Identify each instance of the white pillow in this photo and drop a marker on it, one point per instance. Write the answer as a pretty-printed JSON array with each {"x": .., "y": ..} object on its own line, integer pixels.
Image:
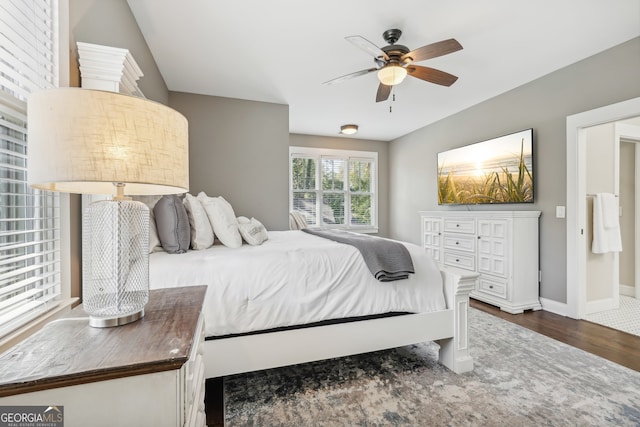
[
  {"x": 201, "y": 232},
  {"x": 154, "y": 240},
  {"x": 252, "y": 230},
  {"x": 222, "y": 219}
]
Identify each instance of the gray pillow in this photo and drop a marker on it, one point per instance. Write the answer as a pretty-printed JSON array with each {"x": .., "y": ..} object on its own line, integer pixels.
[{"x": 172, "y": 223}]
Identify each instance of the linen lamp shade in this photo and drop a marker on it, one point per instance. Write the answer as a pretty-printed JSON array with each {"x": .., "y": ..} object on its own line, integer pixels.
[{"x": 83, "y": 141}]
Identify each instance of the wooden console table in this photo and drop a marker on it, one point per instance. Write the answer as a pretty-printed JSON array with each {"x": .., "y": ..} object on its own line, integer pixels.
[{"x": 147, "y": 373}]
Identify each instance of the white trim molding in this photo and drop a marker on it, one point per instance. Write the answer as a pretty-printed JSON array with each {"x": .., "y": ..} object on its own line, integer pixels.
[
  {"x": 109, "y": 68},
  {"x": 576, "y": 215},
  {"x": 554, "y": 306}
]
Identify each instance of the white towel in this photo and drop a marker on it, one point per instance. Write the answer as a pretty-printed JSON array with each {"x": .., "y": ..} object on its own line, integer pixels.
[
  {"x": 610, "y": 210},
  {"x": 606, "y": 224}
]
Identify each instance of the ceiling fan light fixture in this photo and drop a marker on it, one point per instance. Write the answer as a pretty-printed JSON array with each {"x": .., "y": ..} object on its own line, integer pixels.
[
  {"x": 348, "y": 129},
  {"x": 392, "y": 74}
]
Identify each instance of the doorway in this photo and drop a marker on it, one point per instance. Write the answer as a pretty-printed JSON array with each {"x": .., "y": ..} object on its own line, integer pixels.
[
  {"x": 577, "y": 126},
  {"x": 630, "y": 209}
]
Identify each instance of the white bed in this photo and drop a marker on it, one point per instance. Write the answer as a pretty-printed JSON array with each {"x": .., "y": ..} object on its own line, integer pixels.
[{"x": 296, "y": 279}]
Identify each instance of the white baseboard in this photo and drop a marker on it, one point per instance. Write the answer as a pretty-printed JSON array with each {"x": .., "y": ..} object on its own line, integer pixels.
[
  {"x": 602, "y": 305},
  {"x": 554, "y": 306},
  {"x": 594, "y": 306},
  {"x": 628, "y": 290}
]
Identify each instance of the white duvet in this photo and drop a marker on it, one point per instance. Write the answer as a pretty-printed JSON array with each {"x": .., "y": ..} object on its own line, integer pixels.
[{"x": 293, "y": 278}]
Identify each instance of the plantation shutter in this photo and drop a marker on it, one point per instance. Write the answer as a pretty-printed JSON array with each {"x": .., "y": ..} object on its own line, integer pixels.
[
  {"x": 29, "y": 219},
  {"x": 303, "y": 186},
  {"x": 361, "y": 191},
  {"x": 334, "y": 188}
]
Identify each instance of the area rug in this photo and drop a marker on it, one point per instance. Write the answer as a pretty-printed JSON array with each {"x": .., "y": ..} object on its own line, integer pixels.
[{"x": 520, "y": 378}]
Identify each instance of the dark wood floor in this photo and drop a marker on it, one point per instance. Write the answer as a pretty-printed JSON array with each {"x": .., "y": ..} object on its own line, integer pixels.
[{"x": 619, "y": 347}]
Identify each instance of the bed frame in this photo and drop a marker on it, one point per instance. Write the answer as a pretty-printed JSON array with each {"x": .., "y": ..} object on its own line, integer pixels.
[{"x": 448, "y": 327}]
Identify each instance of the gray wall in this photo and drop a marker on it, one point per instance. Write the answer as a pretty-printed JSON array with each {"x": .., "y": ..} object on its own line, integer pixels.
[
  {"x": 382, "y": 148},
  {"x": 239, "y": 150},
  {"x": 609, "y": 77},
  {"x": 111, "y": 23}
]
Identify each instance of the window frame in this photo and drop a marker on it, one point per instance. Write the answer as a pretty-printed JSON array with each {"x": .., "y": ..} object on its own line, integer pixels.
[
  {"x": 59, "y": 55},
  {"x": 318, "y": 154}
]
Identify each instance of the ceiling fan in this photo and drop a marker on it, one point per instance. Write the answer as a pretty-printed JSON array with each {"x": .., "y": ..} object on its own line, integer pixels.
[{"x": 395, "y": 61}]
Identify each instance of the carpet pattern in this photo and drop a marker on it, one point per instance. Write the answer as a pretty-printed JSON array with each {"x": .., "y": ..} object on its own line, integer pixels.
[{"x": 520, "y": 378}]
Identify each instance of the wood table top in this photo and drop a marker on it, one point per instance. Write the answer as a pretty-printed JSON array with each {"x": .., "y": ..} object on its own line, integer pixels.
[{"x": 69, "y": 352}]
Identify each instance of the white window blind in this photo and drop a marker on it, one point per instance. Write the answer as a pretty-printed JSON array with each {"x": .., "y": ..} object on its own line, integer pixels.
[
  {"x": 334, "y": 188},
  {"x": 29, "y": 219}
]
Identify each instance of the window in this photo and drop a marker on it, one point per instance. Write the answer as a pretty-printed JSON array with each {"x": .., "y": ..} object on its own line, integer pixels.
[
  {"x": 334, "y": 188},
  {"x": 29, "y": 219}
]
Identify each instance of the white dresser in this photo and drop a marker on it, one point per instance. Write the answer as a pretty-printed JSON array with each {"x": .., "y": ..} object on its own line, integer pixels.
[{"x": 502, "y": 246}]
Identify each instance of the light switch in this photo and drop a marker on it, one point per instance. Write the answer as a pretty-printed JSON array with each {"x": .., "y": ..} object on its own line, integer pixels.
[{"x": 560, "y": 212}]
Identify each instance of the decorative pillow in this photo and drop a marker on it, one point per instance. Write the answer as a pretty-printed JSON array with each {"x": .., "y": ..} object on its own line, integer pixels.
[
  {"x": 172, "y": 223},
  {"x": 252, "y": 230},
  {"x": 201, "y": 232},
  {"x": 154, "y": 241},
  {"x": 222, "y": 219}
]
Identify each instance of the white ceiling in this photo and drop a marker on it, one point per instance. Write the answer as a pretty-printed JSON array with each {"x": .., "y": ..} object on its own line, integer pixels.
[{"x": 281, "y": 51}]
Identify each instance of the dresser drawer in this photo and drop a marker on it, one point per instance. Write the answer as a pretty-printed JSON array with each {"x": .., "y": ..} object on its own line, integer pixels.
[
  {"x": 460, "y": 260},
  {"x": 460, "y": 225},
  {"x": 458, "y": 242},
  {"x": 493, "y": 287}
]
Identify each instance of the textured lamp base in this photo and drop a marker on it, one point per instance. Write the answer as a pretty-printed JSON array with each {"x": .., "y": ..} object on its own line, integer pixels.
[{"x": 115, "y": 252}]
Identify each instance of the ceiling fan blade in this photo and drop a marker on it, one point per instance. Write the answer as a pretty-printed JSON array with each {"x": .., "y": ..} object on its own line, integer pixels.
[
  {"x": 367, "y": 46},
  {"x": 431, "y": 75},
  {"x": 433, "y": 50},
  {"x": 383, "y": 92},
  {"x": 350, "y": 76}
]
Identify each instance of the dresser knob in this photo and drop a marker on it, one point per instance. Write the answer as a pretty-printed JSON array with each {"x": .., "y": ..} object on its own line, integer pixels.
[
  {"x": 457, "y": 243},
  {"x": 490, "y": 286},
  {"x": 457, "y": 260},
  {"x": 457, "y": 225}
]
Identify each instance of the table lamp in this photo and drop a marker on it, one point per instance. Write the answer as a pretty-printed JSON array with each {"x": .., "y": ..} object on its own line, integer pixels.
[{"x": 97, "y": 142}]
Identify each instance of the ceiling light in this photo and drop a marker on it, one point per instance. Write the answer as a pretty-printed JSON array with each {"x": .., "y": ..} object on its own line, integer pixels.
[
  {"x": 348, "y": 129},
  {"x": 392, "y": 74}
]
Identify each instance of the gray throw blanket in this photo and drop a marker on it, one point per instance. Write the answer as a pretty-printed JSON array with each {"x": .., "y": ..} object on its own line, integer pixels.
[{"x": 387, "y": 260}]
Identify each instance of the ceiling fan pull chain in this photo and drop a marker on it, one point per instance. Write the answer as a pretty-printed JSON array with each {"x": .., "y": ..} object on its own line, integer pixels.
[{"x": 393, "y": 99}]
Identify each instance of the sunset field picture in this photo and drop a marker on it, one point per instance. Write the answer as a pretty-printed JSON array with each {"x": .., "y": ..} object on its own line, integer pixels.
[{"x": 499, "y": 170}]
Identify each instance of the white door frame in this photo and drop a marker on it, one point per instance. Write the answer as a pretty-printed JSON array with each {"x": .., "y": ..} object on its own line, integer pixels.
[
  {"x": 576, "y": 194},
  {"x": 637, "y": 222},
  {"x": 631, "y": 134}
]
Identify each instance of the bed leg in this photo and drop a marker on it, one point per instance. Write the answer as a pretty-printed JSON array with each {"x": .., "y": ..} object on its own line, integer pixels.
[{"x": 454, "y": 351}]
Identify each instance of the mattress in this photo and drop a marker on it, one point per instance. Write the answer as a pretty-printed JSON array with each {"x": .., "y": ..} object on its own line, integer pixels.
[{"x": 293, "y": 278}]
